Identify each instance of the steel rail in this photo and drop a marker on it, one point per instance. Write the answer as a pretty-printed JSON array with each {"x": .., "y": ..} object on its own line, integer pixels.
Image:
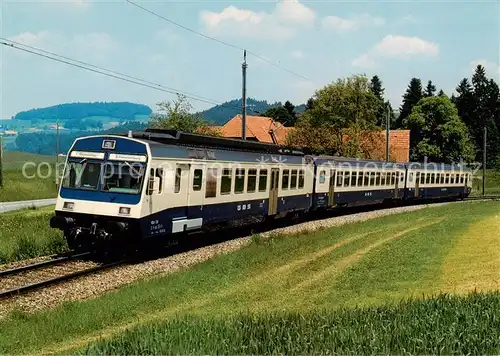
[
  {"x": 56, "y": 280},
  {"x": 39, "y": 265}
]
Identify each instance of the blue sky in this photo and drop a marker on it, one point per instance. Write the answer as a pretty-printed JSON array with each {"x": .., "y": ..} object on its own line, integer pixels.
[{"x": 320, "y": 40}]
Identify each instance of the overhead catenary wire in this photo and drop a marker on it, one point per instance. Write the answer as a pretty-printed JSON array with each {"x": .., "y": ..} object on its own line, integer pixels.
[
  {"x": 107, "y": 72},
  {"x": 233, "y": 46}
]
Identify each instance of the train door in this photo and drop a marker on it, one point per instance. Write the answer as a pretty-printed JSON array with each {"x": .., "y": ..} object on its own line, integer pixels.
[
  {"x": 196, "y": 191},
  {"x": 396, "y": 189},
  {"x": 417, "y": 184},
  {"x": 331, "y": 188},
  {"x": 273, "y": 192}
]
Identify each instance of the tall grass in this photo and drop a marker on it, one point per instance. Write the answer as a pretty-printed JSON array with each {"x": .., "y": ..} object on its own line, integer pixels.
[
  {"x": 25, "y": 234},
  {"x": 442, "y": 325}
]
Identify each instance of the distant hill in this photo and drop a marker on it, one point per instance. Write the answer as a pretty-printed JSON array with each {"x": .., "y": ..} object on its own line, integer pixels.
[{"x": 123, "y": 111}]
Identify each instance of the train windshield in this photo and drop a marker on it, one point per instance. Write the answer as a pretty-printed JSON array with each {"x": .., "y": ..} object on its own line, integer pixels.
[
  {"x": 82, "y": 175},
  {"x": 122, "y": 178}
]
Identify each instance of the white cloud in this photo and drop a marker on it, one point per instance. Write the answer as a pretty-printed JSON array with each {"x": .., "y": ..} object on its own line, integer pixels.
[
  {"x": 31, "y": 39},
  {"x": 298, "y": 54},
  {"x": 277, "y": 25},
  {"x": 492, "y": 68},
  {"x": 294, "y": 11},
  {"x": 397, "y": 47},
  {"x": 355, "y": 22}
]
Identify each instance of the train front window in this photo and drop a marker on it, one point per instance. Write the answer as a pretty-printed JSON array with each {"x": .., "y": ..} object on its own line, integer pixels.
[
  {"x": 123, "y": 178},
  {"x": 82, "y": 175}
]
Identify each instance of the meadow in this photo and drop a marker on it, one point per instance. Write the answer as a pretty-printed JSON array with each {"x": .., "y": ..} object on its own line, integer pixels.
[
  {"x": 36, "y": 182},
  {"x": 287, "y": 293},
  {"x": 26, "y": 233}
]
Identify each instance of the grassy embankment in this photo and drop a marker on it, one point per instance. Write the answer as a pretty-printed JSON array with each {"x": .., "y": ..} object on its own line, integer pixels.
[
  {"x": 26, "y": 233},
  {"x": 492, "y": 185},
  {"x": 278, "y": 282},
  {"x": 37, "y": 182}
]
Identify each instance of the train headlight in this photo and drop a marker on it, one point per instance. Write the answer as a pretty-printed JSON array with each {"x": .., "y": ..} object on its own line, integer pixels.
[
  {"x": 68, "y": 205},
  {"x": 124, "y": 211}
]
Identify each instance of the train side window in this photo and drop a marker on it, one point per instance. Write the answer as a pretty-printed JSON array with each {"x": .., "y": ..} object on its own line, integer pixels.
[
  {"x": 347, "y": 177},
  {"x": 461, "y": 179},
  {"x": 382, "y": 178},
  {"x": 393, "y": 178},
  {"x": 457, "y": 178},
  {"x": 402, "y": 177},
  {"x": 339, "y": 178},
  {"x": 239, "y": 181},
  {"x": 211, "y": 188},
  {"x": 322, "y": 177},
  {"x": 372, "y": 179},
  {"x": 354, "y": 179},
  {"x": 427, "y": 178},
  {"x": 252, "y": 180},
  {"x": 366, "y": 179},
  {"x": 178, "y": 173},
  {"x": 447, "y": 179},
  {"x": 225, "y": 182},
  {"x": 360, "y": 179},
  {"x": 293, "y": 180},
  {"x": 442, "y": 178},
  {"x": 197, "y": 179},
  {"x": 285, "y": 179},
  {"x": 377, "y": 179},
  {"x": 262, "y": 180},
  {"x": 301, "y": 179},
  {"x": 432, "y": 178}
]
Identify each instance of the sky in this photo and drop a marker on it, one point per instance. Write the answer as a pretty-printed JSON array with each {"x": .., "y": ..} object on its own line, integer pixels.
[{"x": 310, "y": 43}]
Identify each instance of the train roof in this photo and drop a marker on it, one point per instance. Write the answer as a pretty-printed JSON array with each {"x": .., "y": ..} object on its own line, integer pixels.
[
  {"x": 348, "y": 161},
  {"x": 436, "y": 166},
  {"x": 177, "y": 144}
]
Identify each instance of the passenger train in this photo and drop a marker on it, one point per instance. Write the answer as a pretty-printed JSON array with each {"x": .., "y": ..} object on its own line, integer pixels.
[{"x": 124, "y": 189}]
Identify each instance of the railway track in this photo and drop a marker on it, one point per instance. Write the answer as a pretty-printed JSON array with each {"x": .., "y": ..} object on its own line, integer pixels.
[{"x": 32, "y": 276}]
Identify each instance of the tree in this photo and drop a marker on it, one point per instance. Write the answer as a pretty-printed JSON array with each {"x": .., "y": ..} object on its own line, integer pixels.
[
  {"x": 430, "y": 89},
  {"x": 282, "y": 114},
  {"x": 342, "y": 114},
  {"x": 177, "y": 115},
  {"x": 444, "y": 136},
  {"x": 465, "y": 103},
  {"x": 1, "y": 156},
  {"x": 479, "y": 105},
  {"x": 378, "y": 91},
  {"x": 441, "y": 93},
  {"x": 309, "y": 104},
  {"x": 411, "y": 97}
]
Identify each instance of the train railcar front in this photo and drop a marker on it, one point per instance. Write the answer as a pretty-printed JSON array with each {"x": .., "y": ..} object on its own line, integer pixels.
[{"x": 99, "y": 199}]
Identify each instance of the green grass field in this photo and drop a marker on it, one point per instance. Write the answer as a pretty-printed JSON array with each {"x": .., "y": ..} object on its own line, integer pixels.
[
  {"x": 452, "y": 248},
  {"x": 26, "y": 233},
  {"x": 36, "y": 182}
]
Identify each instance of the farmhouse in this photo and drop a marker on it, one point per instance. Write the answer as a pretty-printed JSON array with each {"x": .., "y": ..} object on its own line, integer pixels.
[{"x": 265, "y": 129}]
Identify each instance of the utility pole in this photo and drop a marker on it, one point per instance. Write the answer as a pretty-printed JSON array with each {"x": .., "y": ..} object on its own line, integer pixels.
[
  {"x": 484, "y": 158},
  {"x": 1, "y": 157},
  {"x": 244, "y": 97},
  {"x": 57, "y": 153},
  {"x": 387, "y": 132}
]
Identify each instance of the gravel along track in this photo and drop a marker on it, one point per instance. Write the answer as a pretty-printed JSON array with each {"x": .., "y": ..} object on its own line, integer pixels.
[
  {"x": 99, "y": 283},
  {"x": 21, "y": 279}
]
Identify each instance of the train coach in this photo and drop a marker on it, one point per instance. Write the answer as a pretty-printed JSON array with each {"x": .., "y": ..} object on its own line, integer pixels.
[{"x": 123, "y": 189}]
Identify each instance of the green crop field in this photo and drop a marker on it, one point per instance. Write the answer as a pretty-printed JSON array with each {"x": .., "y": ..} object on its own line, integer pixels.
[
  {"x": 293, "y": 293},
  {"x": 35, "y": 181},
  {"x": 26, "y": 233}
]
